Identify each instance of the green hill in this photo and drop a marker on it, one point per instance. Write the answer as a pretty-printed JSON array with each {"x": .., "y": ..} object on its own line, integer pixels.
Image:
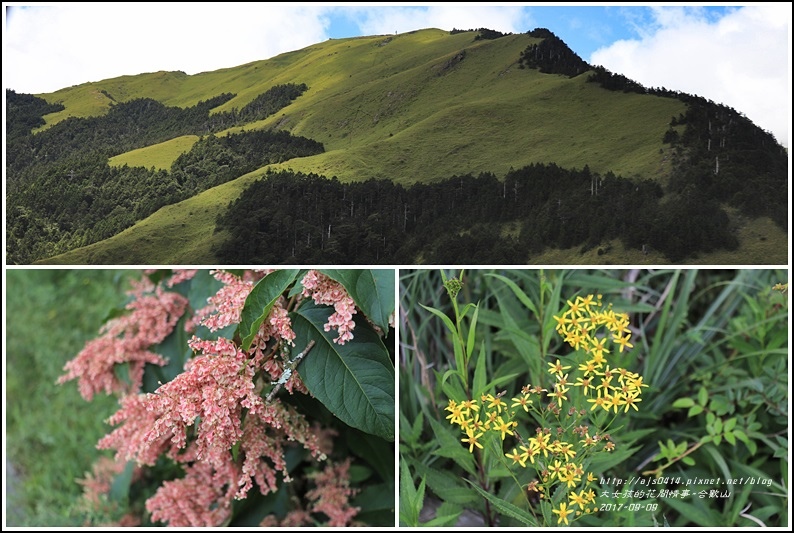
[{"x": 419, "y": 107}]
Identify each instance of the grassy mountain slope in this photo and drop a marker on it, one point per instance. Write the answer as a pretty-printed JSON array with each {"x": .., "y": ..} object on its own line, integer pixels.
[
  {"x": 404, "y": 107},
  {"x": 413, "y": 107}
]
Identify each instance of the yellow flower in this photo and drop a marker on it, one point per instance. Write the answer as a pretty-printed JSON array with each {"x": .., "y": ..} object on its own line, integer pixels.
[
  {"x": 598, "y": 401},
  {"x": 578, "y": 499},
  {"x": 517, "y": 458},
  {"x": 456, "y": 413},
  {"x": 559, "y": 394},
  {"x": 503, "y": 426},
  {"x": 622, "y": 341},
  {"x": 585, "y": 384},
  {"x": 472, "y": 439},
  {"x": 557, "y": 368},
  {"x": 614, "y": 401},
  {"x": 563, "y": 513},
  {"x": 522, "y": 401},
  {"x": 631, "y": 400}
]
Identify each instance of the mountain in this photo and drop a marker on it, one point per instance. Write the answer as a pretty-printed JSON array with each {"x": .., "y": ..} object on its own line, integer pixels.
[{"x": 423, "y": 147}]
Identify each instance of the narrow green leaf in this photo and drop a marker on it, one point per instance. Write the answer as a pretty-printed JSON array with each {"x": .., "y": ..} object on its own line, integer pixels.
[
  {"x": 696, "y": 514},
  {"x": 372, "y": 290},
  {"x": 355, "y": 381},
  {"x": 521, "y": 295},
  {"x": 446, "y": 515},
  {"x": 472, "y": 328},
  {"x": 447, "y": 321},
  {"x": 260, "y": 301},
  {"x": 507, "y": 508},
  {"x": 479, "y": 373},
  {"x": 451, "y": 446},
  {"x": 498, "y": 381},
  {"x": 409, "y": 507}
]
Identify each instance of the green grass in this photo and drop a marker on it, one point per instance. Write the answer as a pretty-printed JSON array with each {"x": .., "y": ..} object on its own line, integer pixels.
[
  {"x": 159, "y": 156},
  {"x": 51, "y": 432}
]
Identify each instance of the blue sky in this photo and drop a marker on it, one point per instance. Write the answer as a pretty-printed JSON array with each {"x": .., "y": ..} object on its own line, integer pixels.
[{"x": 739, "y": 55}]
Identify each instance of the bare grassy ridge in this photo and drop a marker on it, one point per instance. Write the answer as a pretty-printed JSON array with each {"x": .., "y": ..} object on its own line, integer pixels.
[{"x": 413, "y": 107}]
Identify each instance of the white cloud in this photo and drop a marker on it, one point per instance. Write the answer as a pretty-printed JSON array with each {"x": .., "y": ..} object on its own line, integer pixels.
[
  {"x": 48, "y": 48},
  {"x": 388, "y": 20},
  {"x": 742, "y": 60}
]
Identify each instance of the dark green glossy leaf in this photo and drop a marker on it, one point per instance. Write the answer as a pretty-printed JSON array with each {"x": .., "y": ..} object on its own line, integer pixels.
[
  {"x": 372, "y": 290},
  {"x": 355, "y": 381},
  {"x": 260, "y": 301}
]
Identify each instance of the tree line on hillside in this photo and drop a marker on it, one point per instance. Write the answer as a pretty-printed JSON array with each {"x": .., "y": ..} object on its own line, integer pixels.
[
  {"x": 82, "y": 200},
  {"x": 720, "y": 152},
  {"x": 61, "y": 192},
  {"x": 289, "y": 217},
  {"x": 482, "y": 33},
  {"x": 126, "y": 126}
]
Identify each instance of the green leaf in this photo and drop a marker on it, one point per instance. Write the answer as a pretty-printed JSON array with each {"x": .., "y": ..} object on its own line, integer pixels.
[
  {"x": 479, "y": 373},
  {"x": 521, "y": 295},
  {"x": 472, "y": 328},
  {"x": 688, "y": 461},
  {"x": 696, "y": 514},
  {"x": 355, "y": 381},
  {"x": 695, "y": 410},
  {"x": 260, "y": 301},
  {"x": 378, "y": 453},
  {"x": 683, "y": 403},
  {"x": 372, "y": 290},
  {"x": 452, "y": 447},
  {"x": 410, "y": 498},
  {"x": 447, "y": 321},
  {"x": 703, "y": 396},
  {"x": 120, "y": 489},
  {"x": 446, "y": 515},
  {"x": 507, "y": 508},
  {"x": 498, "y": 381}
]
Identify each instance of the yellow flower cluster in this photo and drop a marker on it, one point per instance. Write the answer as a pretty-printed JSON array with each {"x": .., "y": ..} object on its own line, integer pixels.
[
  {"x": 579, "y": 325},
  {"x": 591, "y": 329}
]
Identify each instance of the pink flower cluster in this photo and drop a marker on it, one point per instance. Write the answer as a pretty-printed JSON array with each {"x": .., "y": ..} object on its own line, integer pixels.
[
  {"x": 211, "y": 419},
  {"x": 126, "y": 339},
  {"x": 202, "y": 498},
  {"x": 324, "y": 290},
  {"x": 331, "y": 497},
  {"x": 213, "y": 389},
  {"x": 225, "y": 306}
]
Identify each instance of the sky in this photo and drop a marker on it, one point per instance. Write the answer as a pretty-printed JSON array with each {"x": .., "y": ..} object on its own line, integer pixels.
[{"x": 738, "y": 55}]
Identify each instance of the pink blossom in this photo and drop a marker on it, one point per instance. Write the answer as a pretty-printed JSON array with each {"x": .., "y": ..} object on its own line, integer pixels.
[
  {"x": 132, "y": 440},
  {"x": 332, "y": 494},
  {"x": 225, "y": 306},
  {"x": 214, "y": 389},
  {"x": 262, "y": 443},
  {"x": 126, "y": 339},
  {"x": 324, "y": 290},
  {"x": 178, "y": 276},
  {"x": 202, "y": 498}
]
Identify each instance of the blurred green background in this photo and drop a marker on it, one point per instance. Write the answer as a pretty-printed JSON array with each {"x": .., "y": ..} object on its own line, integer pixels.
[{"x": 50, "y": 431}]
